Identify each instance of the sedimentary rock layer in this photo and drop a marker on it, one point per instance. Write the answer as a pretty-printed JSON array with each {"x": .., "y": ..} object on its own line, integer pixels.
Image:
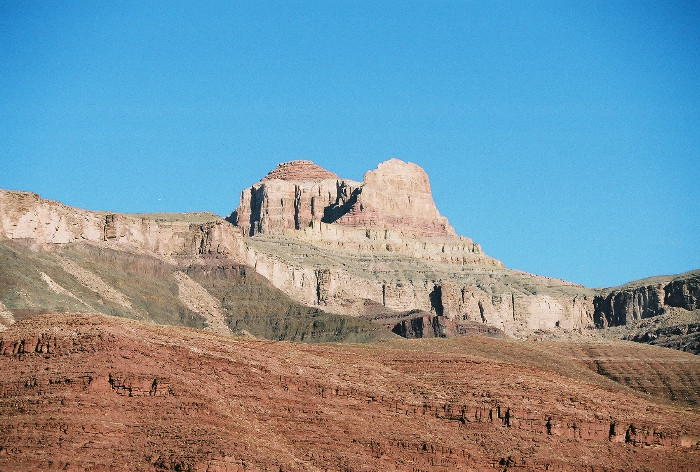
[
  {"x": 25, "y": 215},
  {"x": 645, "y": 299},
  {"x": 395, "y": 196},
  {"x": 100, "y": 393}
]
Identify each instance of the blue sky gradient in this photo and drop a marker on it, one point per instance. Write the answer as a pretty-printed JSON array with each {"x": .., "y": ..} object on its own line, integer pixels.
[{"x": 562, "y": 136}]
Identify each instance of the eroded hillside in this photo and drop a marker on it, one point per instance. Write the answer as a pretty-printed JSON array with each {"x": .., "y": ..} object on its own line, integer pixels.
[
  {"x": 209, "y": 292},
  {"x": 333, "y": 248},
  {"x": 90, "y": 392}
]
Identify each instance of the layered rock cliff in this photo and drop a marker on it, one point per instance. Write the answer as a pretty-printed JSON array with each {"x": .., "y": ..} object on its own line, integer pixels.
[
  {"x": 341, "y": 246},
  {"x": 27, "y": 216},
  {"x": 336, "y": 243},
  {"x": 181, "y": 269},
  {"x": 647, "y": 298},
  {"x": 662, "y": 310},
  {"x": 395, "y": 196},
  {"x": 290, "y": 197}
]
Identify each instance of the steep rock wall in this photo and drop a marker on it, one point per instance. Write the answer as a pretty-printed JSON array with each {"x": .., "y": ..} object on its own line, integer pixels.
[
  {"x": 274, "y": 206},
  {"x": 683, "y": 293},
  {"x": 397, "y": 195},
  {"x": 25, "y": 215},
  {"x": 623, "y": 305}
]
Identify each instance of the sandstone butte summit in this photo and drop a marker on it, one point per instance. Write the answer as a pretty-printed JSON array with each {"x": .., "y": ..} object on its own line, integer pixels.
[{"x": 377, "y": 250}]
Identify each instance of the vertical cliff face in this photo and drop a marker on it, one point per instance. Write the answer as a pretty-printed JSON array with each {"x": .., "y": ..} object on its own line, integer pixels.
[
  {"x": 290, "y": 197},
  {"x": 683, "y": 293},
  {"x": 661, "y": 310},
  {"x": 397, "y": 195},
  {"x": 275, "y": 206},
  {"x": 512, "y": 310},
  {"x": 623, "y": 305}
]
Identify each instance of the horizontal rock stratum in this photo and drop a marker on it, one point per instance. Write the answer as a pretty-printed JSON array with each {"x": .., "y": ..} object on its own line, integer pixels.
[
  {"x": 336, "y": 243},
  {"x": 309, "y": 256},
  {"x": 91, "y": 392},
  {"x": 377, "y": 249},
  {"x": 395, "y": 196}
]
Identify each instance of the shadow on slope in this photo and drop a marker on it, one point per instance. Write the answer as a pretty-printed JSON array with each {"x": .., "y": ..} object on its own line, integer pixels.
[
  {"x": 85, "y": 278},
  {"x": 253, "y": 305}
]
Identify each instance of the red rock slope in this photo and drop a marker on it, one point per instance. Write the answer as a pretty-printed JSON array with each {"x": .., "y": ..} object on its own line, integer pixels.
[{"x": 82, "y": 392}]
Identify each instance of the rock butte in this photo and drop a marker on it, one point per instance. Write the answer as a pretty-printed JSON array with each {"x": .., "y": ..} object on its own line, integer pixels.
[
  {"x": 296, "y": 194},
  {"x": 342, "y": 245}
]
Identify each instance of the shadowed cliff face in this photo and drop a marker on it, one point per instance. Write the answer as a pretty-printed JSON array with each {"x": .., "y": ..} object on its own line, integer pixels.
[
  {"x": 663, "y": 310},
  {"x": 638, "y": 300}
]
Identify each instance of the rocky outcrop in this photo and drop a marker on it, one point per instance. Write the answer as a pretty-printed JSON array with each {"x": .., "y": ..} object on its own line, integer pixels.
[
  {"x": 425, "y": 325},
  {"x": 623, "y": 305},
  {"x": 663, "y": 311},
  {"x": 290, "y": 197},
  {"x": 419, "y": 324},
  {"x": 342, "y": 279},
  {"x": 275, "y": 206},
  {"x": 336, "y": 243},
  {"x": 395, "y": 195},
  {"x": 684, "y": 292},
  {"x": 27, "y": 216}
]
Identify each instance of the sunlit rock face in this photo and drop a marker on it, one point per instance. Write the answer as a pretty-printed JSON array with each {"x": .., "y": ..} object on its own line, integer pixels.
[
  {"x": 397, "y": 195},
  {"x": 339, "y": 244},
  {"x": 27, "y": 216},
  {"x": 335, "y": 243},
  {"x": 394, "y": 196},
  {"x": 290, "y": 197}
]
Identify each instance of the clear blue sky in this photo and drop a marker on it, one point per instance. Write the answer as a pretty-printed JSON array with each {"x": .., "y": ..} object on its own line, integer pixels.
[{"x": 563, "y": 136}]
